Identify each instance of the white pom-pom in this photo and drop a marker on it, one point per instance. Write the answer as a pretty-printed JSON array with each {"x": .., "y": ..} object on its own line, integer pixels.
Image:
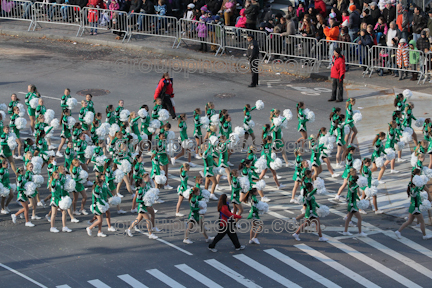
[
  {"x": 234, "y": 140},
  {"x": 425, "y": 206},
  {"x": 160, "y": 179},
  {"x": 71, "y": 122},
  {"x": 125, "y": 166},
  {"x": 114, "y": 128},
  {"x": 408, "y": 130},
  {"x": 69, "y": 185},
  {"x": 319, "y": 183},
  {"x": 240, "y": 131},
  {"x": 251, "y": 124},
  {"x": 310, "y": 115},
  {"x": 375, "y": 182},
  {"x": 3, "y": 107},
  {"x": 261, "y": 164},
  {"x": 38, "y": 180},
  {"x": 163, "y": 115},
  {"x": 300, "y": 199},
  {"x": 49, "y": 116},
  {"x": 260, "y": 185},
  {"x": 187, "y": 144},
  {"x": 427, "y": 172},
  {"x": 150, "y": 197},
  {"x": 215, "y": 119},
  {"x": 262, "y": 207},
  {"x": 118, "y": 175},
  {"x": 203, "y": 207},
  {"x": 187, "y": 193},
  {"x": 83, "y": 175},
  {"x": 89, "y": 151},
  {"x": 357, "y": 116},
  {"x": 423, "y": 195},
  {"x": 322, "y": 191},
  {"x": 170, "y": 136},
  {"x": 13, "y": 187},
  {"x": 379, "y": 162},
  {"x": 71, "y": 103},
  {"x": 12, "y": 143},
  {"x": 34, "y": 103},
  {"x": 407, "y": 93},
  {"x": 323, "y": 211},
  {"x": 142, "y": 113},
  {"x": 103, "y": 130},
  {"x": 55, "y": 123},
  {"x": 370, "y": 192},
  {"x": 114, "y": 201},
  {"x": 406, "y": 137},
  {"x": 213, "y": 140},
  {"x": 347, "y": 129},
  {"x": 419, "y": 122},
  {"x": 100, "y": 160},
  {"x": 88, "y": 140},
  {"x": 390, "y": 154},
  {"x": 22, "y": 109},
  {"x": 362, "y": 181},
  {"x": 363, "y": 204},
  {"x": 205, "y": 121},
  {"x": 89, "y": 117},
  {"x": 20, "y": 123},
  {"x": 30, "y": 188},
  {"x": 259, "y": 105},
  {"x": 414, "y": 159},
  {"x": 37, "y": 164},
  {"x": 65, "y": 203},
  {"x": 277, "y": 121},
  {"x": 276, "y": 164},
  {"x": 400, "y": 146},
  {"x": 206, "y": 194},
  {"x": 103, "y": 208},
  {"x": 418, "y": 181},
  {"x": 4, "y": 192},
  {"x": 357, "y": 164},
  {"x": 124, "y": 115},
  {"x": 154, "y": 125},
  {"x": 287, "y": 114},
  {"x": 50, "y": 134},
  {"x": 244, "y": 183}
]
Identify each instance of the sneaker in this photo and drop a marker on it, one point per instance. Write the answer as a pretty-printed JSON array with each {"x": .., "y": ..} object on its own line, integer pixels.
[
  {"x": 337, "y": 197},
  {"x": 3, "y": 211},
  {"x": 292, "y": 201},
  {"x": 22, "y": 215},
  {"x": 179, "y": 215},
  {"x": 120, "y": 195},
  {"x": 134, "y": 210},
  {"x": 201, "y": 173},
  {"x": 156, "y": 229},
  {"x": 266, "y": 177},
  {"x": 35, "y": 217},
  {"x": 213, "y": 197},
  {"x": 129, "y": 233},
  {"x": 74, "y": 220},
  {"x": 192, "y": 164},
  {"x": 347, "y": 234},
  {"x": 66, "y": 229},
  {"x": 54, "y": 230},
  {"x": 381, "y": 182},
  {"x": 255, "y": 240},
  {"x": 362, "y": 212},
  {"x": 394, "y": 171},
  {"x": 84, "y": 212},
  {"x": 398, "y": 234},
  {"x": 159, "y": 201},
  {"x": 399, "y": 160},
  {"x": 89, "y": 222},
  {"x": 155, "y": 211},
  {"x": 197, "y": 156},
  {"x": 59, "y": 154},
  {"x": 351, "y": 224},
  {"x": 265, "y": 199},
  {"x": 39, "y": 204},
  {"x": 322, "y": 239},
  {"x": 242, "y": 247},
  {"x": 76, "y": 212},
  {"x": 209, "y": 239},
  {"x": 173, "y": 161},
  {"x": 7, "y": 209},
  {"x": 362, "y": 234},
  {"x": 281, "y": 186},
  {"x": 213, "y": 249},
  {"x": 136, "y": 229},
  {"x": 121, "y": 211},
  {"x": 217, "y": 187},
  {"x": 187, "y": 241},
  {"x": 51, "y": 147},
  {"x": 335, "y": 175},
  {"x": 296, "y": 236},
  {"x": 168, "y": 187},
  {"x": 111, "y": 229},
  {"x": 338, "y": 165},
  {"x": 101, "y": 234},
  {"x": 379, "y": 212},
  {"x": 251, "y": 242},
  {"x": 29, "y": 224},
  {"x": 13, "y": 216},
  {"x": 427, "y": 237},
  {"x": 48, "y": 218},
  {"x": 153, "y": 236},
  {"x": 230, "y": 164},
  {"x": 278, "y": 177},
  {"x": 89, "y": 231}
]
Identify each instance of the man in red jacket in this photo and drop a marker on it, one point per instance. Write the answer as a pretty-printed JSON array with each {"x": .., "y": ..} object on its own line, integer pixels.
[
  {"x": 337, "y": 74},
  {"x": 165, "y": 91}
]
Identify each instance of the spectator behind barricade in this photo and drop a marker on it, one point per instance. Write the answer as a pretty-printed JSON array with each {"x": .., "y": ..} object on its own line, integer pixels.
[
  {"x": 344, "y": 35},
  {"x": 135, "y": 6},
  {"x": 414, "y": 59},
  {"x": 148, "y": 7},
  {"x": 381, "y": 30},
  {"x": 293, "y": 15},
  {"x": 374, "y": 12},
  {"x": 6, "y": 8},
  {"x": 337, "y": 73},
  {"x": 252, "y": 11},
  {"x": 367, "y": 18},
  {"x": 354, "y": 22},
  {"x": 402, "y": 21},
  {"x": 312, "y": 12},
  {"x": 427, "y": 65},
  {"x": 267, "y": 14},
  {"x": 329, "y": 4},
  {"x": 332, "y": 34},
  {"x": 214, "y": 6},
  {"x": 429, "y": 23},
  {"x": 332, "y": 16},
  {"x": 366, "y": 6},
  {"x": 371, "y": 33},
  {"x": 307, "y": 29},
  {"x": 93, "y": 19},
  {"x": 214, "y": 31},
  {"x": 319, "y": 28},
  {"x": 289, "y": 27},
  {"x": 300, "y": 12},
  {"x": 389, "y": 12},
  {"x": 320, "y": 7},
  {"x": 202, "y": 33},
  {"x": 113, "y": 6},
  {"x": 341, "y": 5},
  {"x": 365, "y": 41},
  {"x": 241, "y": 20},
  {"x": 423, "y": 42},
  {"x": 97, "y": 4},
  {"x": 402, "y": 58},
  {"x": 392, "y": 32},
  {"x": 393, "y": 54},
  {"x": 419, "y": 23},
  {"x": 227, "y": 10},
  {"x": 337, "y": 14}
]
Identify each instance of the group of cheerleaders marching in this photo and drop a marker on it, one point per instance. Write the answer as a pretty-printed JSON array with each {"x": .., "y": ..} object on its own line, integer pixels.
[{"x": 114, "y": 149}]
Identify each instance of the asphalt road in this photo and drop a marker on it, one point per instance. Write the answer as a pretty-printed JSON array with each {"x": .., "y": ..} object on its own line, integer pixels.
[{"x": 76, "y": 260}]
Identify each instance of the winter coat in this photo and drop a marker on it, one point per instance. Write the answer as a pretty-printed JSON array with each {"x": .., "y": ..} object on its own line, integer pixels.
[
  {"x": 92, "y": 15},
  {"x": 381, "y": 28},
  {"x": 161, "y": 10},
  {"x": 290, "y": 28},
  {"x": 148, "y": 7},
  {"x": 420, "y": 22},
  {"x": 241, "y": 22},
  {"x": 97, "y": 3},
  {"x": 166, "y": 85},
  {"x": 414, "y": 55},
  {"x": 354, "y": 20},
  {"x": 320, "y": 6},
  {"x": 402, "y": 22},
  {"x": 389, "y": 14},
  {"x": 338, "y": 67},
  {"x": 252, "y": 13},
  {"x": 366, "y": 40},
  {"x": 423, "y": 43},
  {"x": 402, "y": 55},
  {"x": 332, "y": 33},
  {"x": 375, "y": 14},
  {"x": 202, "y": 30},
  {"x": 135, "y": 6}
]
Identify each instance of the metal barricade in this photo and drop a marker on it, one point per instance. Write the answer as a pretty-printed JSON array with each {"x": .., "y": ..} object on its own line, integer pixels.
[
  {"x": 17, "y": 10},
  {"x": 355, "y": 54},
  {"x": 382, "y": 57},
  {"x": 201, "y": 32},
  {"x": 236, "y": 38},
  {"x": 94, "y": 19},
  {"x": 427, "y": 67},
  {"x": 153, "y": 25},
  {"x": 294, "y": 46},
  {"x": 53, "y": 13}
]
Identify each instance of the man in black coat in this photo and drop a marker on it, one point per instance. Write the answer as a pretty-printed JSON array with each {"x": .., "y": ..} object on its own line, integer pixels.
[
  {"x": 252, "y": 54},
  {"x": 389, "y": 13}
]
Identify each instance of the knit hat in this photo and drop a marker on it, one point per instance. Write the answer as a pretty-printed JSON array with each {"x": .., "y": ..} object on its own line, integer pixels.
[
  {"x": 191, "y": 5},
  {"x": 352, "y": 8},
  {"x": 332, "y": 15},
  {"x": 403, "y": 40},
  {"x": 373, "y": 4},
  {"x": 338, "y": 50},
  {"x": 217, "y": 17}
]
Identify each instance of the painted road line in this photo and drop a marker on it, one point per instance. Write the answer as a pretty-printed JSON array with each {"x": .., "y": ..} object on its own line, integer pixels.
[
  {"x": 49, "y": 97},
  {"x": 356, "y": 235},
  {"x": 410, "y": 243},
  {"x": 407, "y": 261},
  {"x": 164, "y": 278},
  {"x": 231, "y": 273},
  {"x": 171, "y": 245},
  {"x": 337, "y": 266},
  {"x": 369, "y": 261},
  {"x": 266, "y": 271},
  {"x": 63, "y": 286},
  {"x": 22, "y": 275},
  {"x": 198, "y": 276},
  {"x": 98, "y": 284},
  {"x": 131, "y": 281},
  {"x": 301, "y": 268}
]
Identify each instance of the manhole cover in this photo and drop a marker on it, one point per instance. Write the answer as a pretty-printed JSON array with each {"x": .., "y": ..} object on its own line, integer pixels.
[
  {"x": 93, "y": 92},
  {"x": 225, "y": 95}
]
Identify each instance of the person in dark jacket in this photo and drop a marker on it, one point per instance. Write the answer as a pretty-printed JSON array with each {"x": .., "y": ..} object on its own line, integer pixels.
[
  {"x": 353, "y": 22},
  {"x": 144, "y": 23},
  {"x": 365, "y": 41},
  {"x": 251, "y": 11},
  {"x": 389, "y": 13},
  {"x": 375, "y": 13},
  {"x": 423, "y": 42},
  {"x": 419, "y": 23},
  {"x": 338, "y": 75},
  {"x": 252, "y": 54}
]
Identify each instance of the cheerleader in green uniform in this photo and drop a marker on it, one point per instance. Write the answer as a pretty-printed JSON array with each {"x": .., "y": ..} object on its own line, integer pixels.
[
  {"x": 66, "y": 96},
  {"x": 321, "y": 133},
  {"x": 349, "y": 119},
  {"x": 223, "y": 158},
  {"x": 208, "y": 170},
  {"x": 183, "y": 137},
  {"x": 22, "y": 198},
  {"x": 183, "y": 187},
  {"x": 32, "y": 93},
  {"x": 223, "y": 114},
  {"x": 334, "y": 115},
  {"x": 352, "y": 209},
  {"x": 266, "y": 131},
  {"x": 5, "y": 181},
  {"x": 33, "y": 199},
  {"x": 82, "y": 113},
  {"x": 133, "y": 124},
  {"x": 252, "y": 157},
  {"x": 155, "y": 171},
  {"x": 110, "y": 115},
  {"x": 298, "y": 173},
  {"x": 301, "y": 123},
  {"x": 79, "y": 147},
  {"x": 210, "y": 111},
  {"x": 97, "y": 152},
  {"x": 40, "y": 109},
  {"x": 226, "y": 130},
  {"x": 316, "y": 151},
  {"x": 366, "y": 172},
  {"x": 118, "y": 110},
  {"x": 56, "y": 186},
  {"x": 75, "y": 170},
  {"x": 194, "y": 217},
  {"x": 251, "y": 197},
  {"x": 97, "y": 198},
  {"x": 13, "y": 103},
  {"x": 392, "y": 139},
  {"x": 163, "y": 157},
  {"x": 414, "y": 208},
  {"x": 70, "y": 154},
  {"x": 340, "y": 139},
  {"x": 378, "y": 150},
  {"x": 197, "y": 131},
  {"x": 408, "y": 119},
  {"x": 246, "y": 121},
  {"x": 267, "y": 152},
  {"x": 397, "y": 117},
  {"x": 90, "y": 104},
  {"x": 145, "y": 124},
  {"x": 399, "y": 102},
  {"x": 348, "y": 156},
  {"x": 236, "y": 191},
  {"x": 15, "y": 130},
  {"x": 95, "y": 125},
  {"x": 156, "y": 109},
  {"x": 310, "y": 213},
  {"x": 40, "y": 126},
  {"x": 4, "y": 147},
  {"x": 278, "y": 141},
  {"x": 427, "y": 136}
]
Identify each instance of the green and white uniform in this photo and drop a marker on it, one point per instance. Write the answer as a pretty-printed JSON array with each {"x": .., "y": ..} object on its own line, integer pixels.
[
  {"x": 366, "y": 172},
  {"x": 109, "y": 178},
  {"x": 29, "y": 177},
  {"x": 194, "y": 208},
  {"x": 81, "y": 116},
  {"x": 301, "y": 121},
  {"x": 141, "y": 192},
  {"x": 40, "y": 110},
  {"x": 197, "y": 126},
  {"x": 298, "y": 169},
  {"x": 29, "y": 96},
  {"x": 247, "y": 118},
  {"x": 352, "y": 198},
  {"x": 97, "y": 152},
  {"x": 254, "y": 213},
  {"x": 80, "y": 147},
  {"x": 75, "y": 176},
  {"x": 415, "y": 200},
  {"x": 408, "y": 118},
  {"x": 11, "y": 105},
  {"x": 21, "y": 196},
  {"x": 348, "y": 165},
  {"x": 63, "y": 102},
  {"x": 311, "y": 205},
  {"x": 208, "y": 161},
  {"x": 378, "y": 149},
  {"x": 13, "y": 125},
  {"x": 163, "y": 157},
  {"x": 349, "y": 115},
  {"x": 235, "y": 191},
  {"x": 97, "y": 199},
  {"x": 4, "y": 149},
  {"x": 183, "y": 182}
]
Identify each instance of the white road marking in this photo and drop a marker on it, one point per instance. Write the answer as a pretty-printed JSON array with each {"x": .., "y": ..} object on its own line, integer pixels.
[
  {"x": 231, "y": 273},
  {"x": 98, "y": 284},
  {"x": 301, "y": 268},
  {"x": 266, "y": 271},
  {"x": 63, "y": 286},
  {"x": 22, "y": 275},
  {"x": 49, "y": 97},
  {"x": 410, "y": 243},
  {"x": 198, "y": 276},
  {"x": 131, "y": 281},
  {"x": 337, "y": 266},
  {"x": 172, "y": 245},
  {"x": 164, "y": 278}
]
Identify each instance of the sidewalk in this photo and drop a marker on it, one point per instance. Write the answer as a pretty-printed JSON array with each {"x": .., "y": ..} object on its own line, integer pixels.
[{"x": 162, "y": 45}]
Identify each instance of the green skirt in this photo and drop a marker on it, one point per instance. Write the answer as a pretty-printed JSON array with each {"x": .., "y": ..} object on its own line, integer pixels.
[
  {"x": 163, "y": 159},
  {"x": 31, "y": 111}
]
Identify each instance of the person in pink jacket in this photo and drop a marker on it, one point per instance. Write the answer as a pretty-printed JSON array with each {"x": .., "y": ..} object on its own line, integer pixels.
[
  {"x": 241, "y": 21},
  {"x": 202, "y": 33},
  {"x": 113, "y": 6}
]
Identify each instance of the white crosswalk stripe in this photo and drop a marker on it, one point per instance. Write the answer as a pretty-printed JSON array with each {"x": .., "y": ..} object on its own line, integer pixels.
[
  {"x": 410, "y": 243},
  {"x": 63, "y": 286},
  {"x": 231, "y": 273},
  {"x": 165, "y": 278},
  {"x": 131, "y": 281},
  {"x": 98, "y": 284},
  {"x": 198, "y": 276}
]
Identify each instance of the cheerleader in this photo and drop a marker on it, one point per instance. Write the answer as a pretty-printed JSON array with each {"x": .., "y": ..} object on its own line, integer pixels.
[
  {"x": 348, "y": 156},
  {"x": 97, "y": 199},
  {"x": 256, "y": 228},
  {"x": 397, "y": 117},
  {"x": 16, "y": 131},
  {"x": 297, "y": 177},
  {"x": 97, "y": 152},
  {"x": 155, "y": 171},
  {"x": 351, "y": 172},
  {"x": 321, "y": 133},
  {"x": 223, "y": 158},
  {"x": 104, "y": 195},
  {"x": 334, "y": 115},
  {"x": 302, "y": 123},
  {"x": 144, "y": 212},
  {"x": 414, "y": 208},
  {"x": 76, "y": 131},
  {"x": 82, "y": 114},
  {"x": 33, "y": 199},
  {"x": 399, "y": 102},
  {"x": 378, "y": 150},
  {"x": 195, "y": 217},
  {"x": 40, "y": 126},
  {"x": 183, "y": 187},
  {"x": 315, "y": 159},
  {"x": 145, "y": 124},
  {"x": 5, "y": 181},
  {"x": 163, "y": 157},
  {"x": 4, "y": 147},
  {"x": 252, "y": 158},
  {"x": 156, "y": 109},
  {"x": 66, "y": 96},
  {"x": 13, "y": 103},
  {"x": 427, "y": 136},
  {"x": 79, "y": 148},
  {"x": 210, "y": 111},
  {"x": 340, "y": 139},
  {"x": 70, "y": 155},
  {"x": 236, "y": 190},
  {"x": 22, "y": 199},
  {"x": 208, "y": 170},
  {"x": 109, "y": 181},
  {"x": 349, "y": 119},
  {"x": 32, "y": 93},
  {"x": 75, "y": 170},
  {"x": 90, "y": 104},
  {"x": 57, "y": 192},
  {"x": 110, "y": 115},
  {"x": 366, "y": 172},
  {"x": 223, "y": 114},
  {"x": 40, "y": 109},
  {"x": 310, "y": 213},
  {"x": 279, "y": 143},
  {"x": 267, "y": 152},
  {"x": 133, "y": 124},
  {"x": 118, "y": 110},
  {"x": 266, "y": 131},
  {"x": 183, "y": 137},
  {"x": 392, "y": 140},
  {"x": 246, "y": 121},
  {"x": 226, "y": 130},
  {"x": 95, "y": 124},
  {"x": 352, "y": 209},
  {"x": 408, "y": 119},
  {"x": 197, "y": 131}
]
